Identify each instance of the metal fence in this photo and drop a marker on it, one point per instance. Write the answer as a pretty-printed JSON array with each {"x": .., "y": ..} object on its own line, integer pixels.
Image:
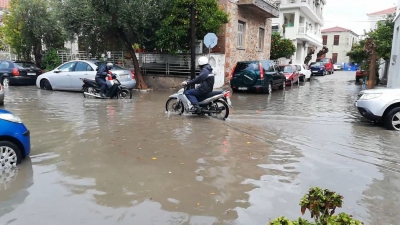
[
  {"x": 165, "y": 64},
  {"x": 65, "y": 56}
]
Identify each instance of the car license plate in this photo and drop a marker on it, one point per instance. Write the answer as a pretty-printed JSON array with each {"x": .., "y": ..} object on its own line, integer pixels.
[
  {"x": 242, "y": 88},
  {"x": 314, "y": 71},
  {"x": 124, "y": 75},
  {"x": 31, "y": 74}
]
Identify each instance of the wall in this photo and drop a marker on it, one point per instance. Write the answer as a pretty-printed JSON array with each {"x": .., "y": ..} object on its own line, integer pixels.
[
  {"x": 345, "y": 43},
  {"x": 250, "y": 50},
  {"x": 394, "y": 67}
]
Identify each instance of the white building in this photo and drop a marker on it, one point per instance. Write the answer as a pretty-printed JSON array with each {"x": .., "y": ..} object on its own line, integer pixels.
[
  {"x": 394, "y": 67},
  {"x": 339, "y": 42},
  {"x": 379, "y": 16},
  {"x": 303, "y": 21}
]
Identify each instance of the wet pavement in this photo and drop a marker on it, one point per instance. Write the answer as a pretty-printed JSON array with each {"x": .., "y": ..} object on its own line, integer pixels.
[{"x": 127, "y": 162}]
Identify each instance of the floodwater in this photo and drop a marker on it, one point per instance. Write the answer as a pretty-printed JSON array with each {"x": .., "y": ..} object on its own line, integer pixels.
[{"x": 98, "y": 162}]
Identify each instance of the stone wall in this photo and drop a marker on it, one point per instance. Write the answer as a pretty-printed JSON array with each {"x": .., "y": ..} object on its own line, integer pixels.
[{"x": 250, "y": 50}]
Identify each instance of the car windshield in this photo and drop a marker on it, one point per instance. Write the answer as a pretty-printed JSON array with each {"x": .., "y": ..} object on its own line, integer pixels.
[
  {"x": 287, "y": 69},
  {"x": 316, "y": 64},
  {"x": 26, "y": 65},
  {"x": 325, "y": 60},
  {"x": 247, "y": 66},
  {"x": 115, "y": 67}
]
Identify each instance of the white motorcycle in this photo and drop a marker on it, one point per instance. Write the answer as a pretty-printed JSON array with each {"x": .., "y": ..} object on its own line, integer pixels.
[{"x": 215, "y": 103}]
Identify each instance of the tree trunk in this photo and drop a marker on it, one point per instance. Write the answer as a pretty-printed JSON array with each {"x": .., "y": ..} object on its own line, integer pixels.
[
  {"x": 37, "y": 52},
  {"x": 140, "y": 84},
  {"x": 372, "y": 71}
]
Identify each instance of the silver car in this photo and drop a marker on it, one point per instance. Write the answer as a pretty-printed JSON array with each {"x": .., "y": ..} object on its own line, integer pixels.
[
  {"x": 380, "y": 105},
  {"x": 1, "y": 95},
  {"x": 67, "y": 76}
]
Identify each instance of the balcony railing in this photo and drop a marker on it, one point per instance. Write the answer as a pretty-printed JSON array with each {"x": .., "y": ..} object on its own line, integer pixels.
[
  {"x": 309, "y": 2},
  {"x": 266, "y": 8}
]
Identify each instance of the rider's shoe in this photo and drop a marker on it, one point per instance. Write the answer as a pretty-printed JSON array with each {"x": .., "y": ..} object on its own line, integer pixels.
[
  {"x": 196, "y": 109},
  {"x": 102, "y": 94}
]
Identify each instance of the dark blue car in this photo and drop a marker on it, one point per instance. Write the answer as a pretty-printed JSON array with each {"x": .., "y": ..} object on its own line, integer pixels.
[
  {"x": 318, "y": 68},
  {"x": 15, "y": 141}
]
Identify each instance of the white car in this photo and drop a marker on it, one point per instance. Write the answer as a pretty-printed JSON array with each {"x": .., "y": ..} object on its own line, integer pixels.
[
  {"x": 380, "y": 105},
  {"x": 303, "y": 70},
  {"x": 67, "y": 76},
  {"x": 1, "y": 95},
  {"x": 337, "y": 66}
]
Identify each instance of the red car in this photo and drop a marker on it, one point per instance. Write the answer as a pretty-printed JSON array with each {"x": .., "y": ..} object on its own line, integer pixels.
[
  {"x": 328, "y": 64},
  {"x": 361, "y": 74},
  {"x": 291, "y": 73}
]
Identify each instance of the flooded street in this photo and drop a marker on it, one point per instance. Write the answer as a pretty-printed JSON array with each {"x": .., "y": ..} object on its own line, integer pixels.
[{"x": 98, "y": 162}]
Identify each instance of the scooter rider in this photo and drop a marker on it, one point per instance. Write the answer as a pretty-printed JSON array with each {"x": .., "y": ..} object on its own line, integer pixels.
[
  {"x": 206, "y": 81},
  {"x": 101, "y": 75}
]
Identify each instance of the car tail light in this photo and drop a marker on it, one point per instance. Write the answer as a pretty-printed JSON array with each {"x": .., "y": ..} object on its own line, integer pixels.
[
  {"x": 133, "y": 74},
  {"x": 261, "y": 71},
  {"x": 226, "y": 95},
  {"x": 233, "y": 70},
  {"x": 15, "y": 72}
]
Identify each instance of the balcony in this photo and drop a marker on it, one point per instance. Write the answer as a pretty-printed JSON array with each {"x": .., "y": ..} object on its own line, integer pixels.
[
  {"x": 311, "y": 36},
  {"x": 264, "y": 8},
  {"x": 308, "y": 7}
]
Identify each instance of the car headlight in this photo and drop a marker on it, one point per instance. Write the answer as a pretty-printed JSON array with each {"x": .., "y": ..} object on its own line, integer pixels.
[
  {"x": 370, "y": 96},
  {"x": 10, "y": 117}
]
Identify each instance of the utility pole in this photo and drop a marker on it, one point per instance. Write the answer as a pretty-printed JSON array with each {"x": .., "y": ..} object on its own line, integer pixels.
[{"x": 193, "y": 41}]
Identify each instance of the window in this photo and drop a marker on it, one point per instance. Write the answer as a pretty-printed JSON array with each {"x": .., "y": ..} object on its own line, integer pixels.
[
  {"x": 336, "y": 39},
  {"x": 241, "y": 34},
  {"x": 334, "y": 57},
  {"x": 67, "y": 67},
  {"x": 275, "y": 28},
  {"x": 261, "y": 33},
  {"x": 247, "y": 66},
  {"x": 4, "y": 65},
  {"x": 324, "y": 39},
  {"x": 82, "y": 66}
]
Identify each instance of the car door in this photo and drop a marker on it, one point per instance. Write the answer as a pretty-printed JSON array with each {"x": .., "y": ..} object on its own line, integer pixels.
[
  {"x": 280, "y": 78},
  {"x": 81, "y": 70},
  {"x": 61, "y": 77}
]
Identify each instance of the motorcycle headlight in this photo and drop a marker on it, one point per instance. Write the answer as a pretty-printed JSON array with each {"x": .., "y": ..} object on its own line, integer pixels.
[
  {"x": 370, "y": 96},
  {"x": 10, "y": 117}
]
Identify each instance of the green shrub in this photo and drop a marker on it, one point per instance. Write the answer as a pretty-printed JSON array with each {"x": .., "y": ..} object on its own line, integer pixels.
[{"x": 51, "y": 60}]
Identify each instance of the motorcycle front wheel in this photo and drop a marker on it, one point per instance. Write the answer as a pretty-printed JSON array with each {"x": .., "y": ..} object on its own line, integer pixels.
[
  {"x": 174, "y": 106},
  {"x": 125, "y": 94}
]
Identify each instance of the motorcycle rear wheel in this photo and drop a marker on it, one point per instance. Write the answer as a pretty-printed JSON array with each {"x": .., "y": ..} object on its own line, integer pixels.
[
  {"x": 224, "y": 107},
  {"x": 90, "y": 90},
  {"x": 174, "y": 107},
  {"x": 124, "y": 94}
]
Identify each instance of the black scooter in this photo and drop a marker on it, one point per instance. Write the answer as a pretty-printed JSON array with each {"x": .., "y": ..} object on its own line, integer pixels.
[{"x": 91, "y": 89}]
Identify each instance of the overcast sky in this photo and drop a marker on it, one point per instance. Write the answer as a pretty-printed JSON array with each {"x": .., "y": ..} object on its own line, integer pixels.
[{"x": 351, "y": 14}]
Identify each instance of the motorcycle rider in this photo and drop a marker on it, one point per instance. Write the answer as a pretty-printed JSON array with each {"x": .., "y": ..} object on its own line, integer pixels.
[
  {"x": 101, "y": 75},
  {"x": 206, "y": 81}
]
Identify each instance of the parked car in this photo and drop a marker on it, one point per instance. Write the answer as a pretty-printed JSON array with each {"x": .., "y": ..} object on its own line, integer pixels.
[
  {"x": 291, "y": 74},
  {"x": 1, "y": 95},
  {"x": 305, "y": 73},
  {"x": 328, "y": 63},
  {"x": 318, "y": 68},
  {"x": 380, "y": 105},
  {"x": 257, "y": 75},
  {"x": 18, "y": 72},
  {"x": 66, "y": 77},
  {"x": 15, "y": 142},
  {"x": 361, "y": 74},
  {"x": 337, "y": 66}
]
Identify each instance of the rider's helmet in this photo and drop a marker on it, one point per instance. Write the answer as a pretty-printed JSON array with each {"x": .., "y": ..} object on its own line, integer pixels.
[
  {"x": 109, "y": 65},
  {"x": 202, "y": 61}
]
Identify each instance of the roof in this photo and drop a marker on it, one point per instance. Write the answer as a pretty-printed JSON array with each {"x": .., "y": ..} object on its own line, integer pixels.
[
  {"x": 337, "y": 30},
  {"x": 384, "y": 12},
  {"x": 4, "y": 4}
]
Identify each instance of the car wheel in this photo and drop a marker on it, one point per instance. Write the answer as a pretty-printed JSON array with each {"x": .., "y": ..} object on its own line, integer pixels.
[
  {"x": 5, "y": 82},
  {"x": 10, "y": 154},
  {"x": 392, "y": 119},
  {"x": 333, "y": 71},
  {"x": 45, "y": 85},
  {"x": 283, "y": 86}
]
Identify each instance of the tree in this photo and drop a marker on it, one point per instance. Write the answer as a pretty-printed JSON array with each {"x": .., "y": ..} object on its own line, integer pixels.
[
  {"x": 30, "y": 25},
  {"x": 174, "y": 34},
  {"x": 383, "y": 38},
  {"x": 322, "y": 52},
  {"x": 322, "y": 204},
  {"x": 281, "y": 47},
  {"x": 358, "y": 54}
]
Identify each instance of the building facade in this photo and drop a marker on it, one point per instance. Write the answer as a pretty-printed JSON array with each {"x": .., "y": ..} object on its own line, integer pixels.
[
  {"x": 394, "y": 66},
  {"x": 247, "y": 35},
  {"x": 339, "y": 42},
  {"x": 302, "y": 20},
  {"x": 379, "y": 16}
]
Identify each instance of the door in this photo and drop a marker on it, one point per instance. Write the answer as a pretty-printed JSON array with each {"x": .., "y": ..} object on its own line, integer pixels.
[
  {"x": 61, "y": 77},
  {"x": 334, "y": 58},
  {"x": 81, "y": 70}
]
